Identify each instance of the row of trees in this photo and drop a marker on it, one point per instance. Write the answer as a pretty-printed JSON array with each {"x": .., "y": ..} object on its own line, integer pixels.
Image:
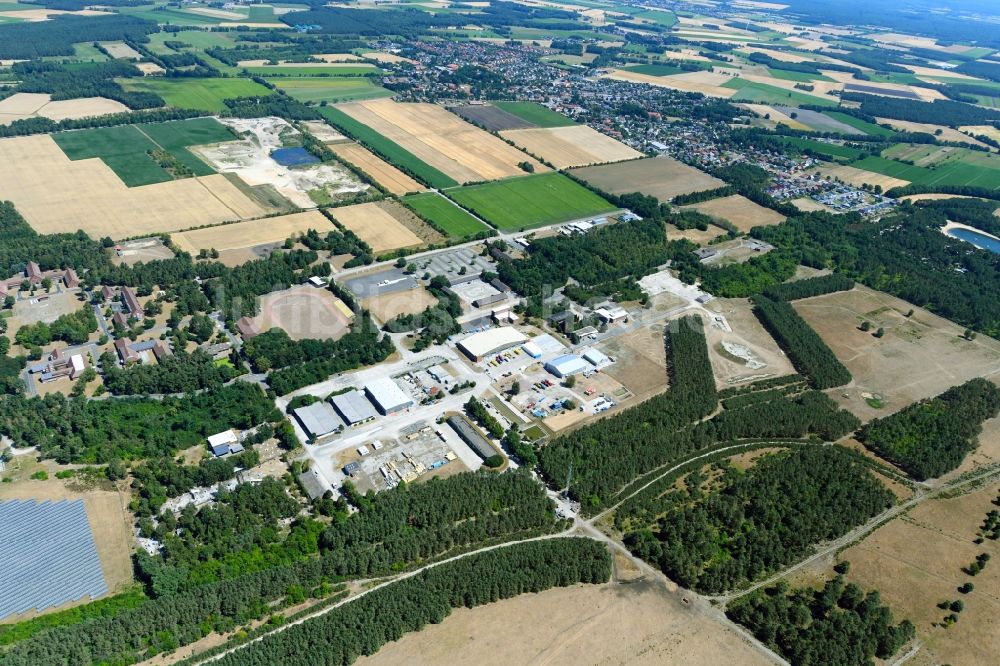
[
  {"x": 716, "y": 536},
  {"x": 812, "y": 357},
  {"x": 933, "y": 436},
  {"x": 815, "y": 286}
]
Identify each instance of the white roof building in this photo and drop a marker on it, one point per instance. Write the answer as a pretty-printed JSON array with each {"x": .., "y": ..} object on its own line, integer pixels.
[
  {"x": 596, "y": 358},
  {"x": 493, "y": 341},
  {"x": 386, "y": 395},
  {"x": 221, "y": 443},
  {"x": 566, "y": 365}
]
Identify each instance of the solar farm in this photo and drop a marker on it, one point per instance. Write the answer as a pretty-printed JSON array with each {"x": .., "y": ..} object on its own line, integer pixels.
[{"x": 49, "y": 556}]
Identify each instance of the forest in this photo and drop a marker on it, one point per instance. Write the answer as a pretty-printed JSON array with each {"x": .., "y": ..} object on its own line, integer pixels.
[
  {"x": 812, "y": 357},
  {"x": 729, "y": 527},
  {"x": 94, "y": 80},
  {"x": 838, "y": 625},
  {"x": 809, "y": 287},
  {"x": 932, "y": 437},
  {"x": 161, "y": 478},
  {"x": 56, "y": 36},
  {"x": 179, "y": 372},
  {"x": 938, "y": 112},
  {"x": 76, "y": 430},
  {"x": 385, "y": 615}
]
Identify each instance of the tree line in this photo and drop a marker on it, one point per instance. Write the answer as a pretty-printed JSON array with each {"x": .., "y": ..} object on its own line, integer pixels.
[{"x": 809, "y": 287}]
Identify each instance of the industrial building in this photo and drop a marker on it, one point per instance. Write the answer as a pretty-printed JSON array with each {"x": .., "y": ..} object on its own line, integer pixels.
[
  {"x": 566, "y": 365},
  {"x": 610, "y": 314},
  {"x": 318, "y": 419},
  {"x": 596, "y": 358},
  {"x": 386, "y": 395},
  {"x": 224, "y": 443},
  {"x": 471, "y": 436},
  {"x": 532, "y": 350},
  {"x": 353, "y": 407},
  {"x": 493, "y": 341}
]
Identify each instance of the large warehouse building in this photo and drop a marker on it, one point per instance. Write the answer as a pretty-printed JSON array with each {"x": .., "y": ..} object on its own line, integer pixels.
[
  {"x": 318, "y": 419},
  {"x": 566, "y": 365},
  {"x": 386, "y": 395},
  {"x": 353, "y": 407},
  {"x": 484, "y": 344}
]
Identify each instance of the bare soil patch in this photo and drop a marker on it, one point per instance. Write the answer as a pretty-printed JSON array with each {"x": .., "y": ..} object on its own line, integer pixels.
[
  {"x": 304, "y": 312},
  {"x": 492, "y": 118},
  {"x": 389, "y": 306},
  {"x": 744, "y": 352},
  {"x": 661, "y": 177},
  {"x": 571, "y": 146},
  {"x": 641, "y": 364}
]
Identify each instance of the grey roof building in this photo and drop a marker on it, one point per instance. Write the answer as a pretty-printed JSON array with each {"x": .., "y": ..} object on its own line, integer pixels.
[
  {"x": 318, "y": 419},
  {"x": 471, "y": 436},
  {"x": 353, "y": 407}
]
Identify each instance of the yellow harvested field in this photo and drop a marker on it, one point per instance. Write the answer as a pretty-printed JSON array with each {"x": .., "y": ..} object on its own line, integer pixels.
[
  {"x": 740, "y": 211},
  {"x": 859, "y": 177},
  {"x": 252, "y": 233},
  {"x": 709, "y": 85},
  {"x": 376, "y": 226},
  {"x": 32, "y": 105},
  {"x": 441, "y": 139},
  {"x": 381, "y": 171},
  {"x": 947, "y": 133},
  {"x": 934, "y": 73},
  {"x": 387, "y": 58},
  {"x": 215, "y": 13},
  {"x": 777, "y": 55},
  {"x": 573, "y": 146},
  {"x": 899, "y": 39},
  {"x": 34, "y": 15},
  {"x": 982, "y": 130},
  {"x": 777, "y": 117},
  {"x": 56, "y": 195},
  {"x": 934, "y": 197}
]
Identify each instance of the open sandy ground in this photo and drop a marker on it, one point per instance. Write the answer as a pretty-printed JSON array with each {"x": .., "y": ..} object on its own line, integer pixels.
[
  {"x": 253, "y": 233},
  {"x": 381, "y": 171},
  {"x": 739, "y": 210},
  {"x": 56, "y": 194},
  {"x": 441, "y": 139},
  {"x": 304, "y": 312},
  {"x": 389, "y": 306},
  {"x": 31, "y": 105},
  {"x": 377, "y": 225},
  {"x": 746, "y": 350},
  {"x": 572, "y": 146},
  {"x": 636, "y": 623}
]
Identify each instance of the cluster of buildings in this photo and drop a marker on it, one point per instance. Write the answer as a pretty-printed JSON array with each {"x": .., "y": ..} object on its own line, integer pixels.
[
  {"x": 382, "y": 396},
  {"x": 33, "y": 276}
]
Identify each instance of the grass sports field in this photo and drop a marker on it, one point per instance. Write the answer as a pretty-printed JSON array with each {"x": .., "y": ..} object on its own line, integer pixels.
[
  {"x": 953, "y": 173},
  {"x": 200, "y": 94},
  {"x": 124, "y": 148},
  {"x": 329, "y": 88},
  {"x": 390, "y": 150},
  {"x": 536, "y": 114},
  {"x": 530, "y": 201},
  {"x": 456, "y": 222}
]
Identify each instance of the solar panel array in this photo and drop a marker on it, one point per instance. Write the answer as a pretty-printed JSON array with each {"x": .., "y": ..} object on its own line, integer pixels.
[{"x": 47, "y": 556}]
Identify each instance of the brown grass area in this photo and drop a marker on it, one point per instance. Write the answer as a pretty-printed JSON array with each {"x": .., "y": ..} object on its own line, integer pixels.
[
  {"x": 740, "y": 211},
  {"x": 378, "y": 224},
  {"x": 575, "y": 145},
  {"x": 304, "y": 312},
  {"x": 57, "y": 195},
  {"x": 637, "y": 624},
  {"x": 661, "y": 177},
  {"x": 918, "y": 357},
  {"x": 915, "y": 562},
  {"x": 381, "y": 171},
  {"x": 441, "y": 139},
  {"x": 251, "y": 234},
  {"x": 389, "y": 306},
  {"x": 696, "y": 236},
  {"x": 641, "y": 364},
  {"x": 859, "y": 177},
  {"x": 746, "y": 331}
]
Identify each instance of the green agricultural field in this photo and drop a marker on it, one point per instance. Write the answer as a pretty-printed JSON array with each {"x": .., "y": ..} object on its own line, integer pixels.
[
  {"x": 535, "y": 114},
  {"x": 330, "y": 88},
  {"x": 803, "y": 77},
  {"x": 526, "y": 202},
  {"x": 654, "y": 70},
  {"x": 200, "y": 94},
  {"x": 959, "y": 173},
  {"x": 124, "y": 149},
  {"x": 388, "y": 149},
  {"x": 323, "y": 70},
  {"x": 761, "y": 93},
  {"x": 197, "y": 39},
  {"x": 822, "y": 148},
  {"x": 455, "y": 221},
  {"x": 857, "y": 123}
]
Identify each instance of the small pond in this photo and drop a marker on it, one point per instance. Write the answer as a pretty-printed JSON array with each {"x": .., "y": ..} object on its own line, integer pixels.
[{"x": 290, "y": 157}]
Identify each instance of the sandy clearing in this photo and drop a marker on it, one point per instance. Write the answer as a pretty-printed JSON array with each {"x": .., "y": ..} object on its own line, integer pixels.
[
  {"x": 252, "y": 233},
  {"x": 121, "y": 50},
  {"x": 304, "y": 312},
  {"x": 58, "y": 195},
  {"x": 442, "y": 139},
  {"x": 149, "y": 68},
  {"x": 376, "y": 226},
  {"x": 670, "y": 82},
  {"x": 859, "y": 177},
  {"x": 745, "y": 352},
  {"x": 776, "y": 116},
  {"x": 740, "y": 211},
  {"x": 637, "y": 624},
  {"x": 572, "y": 146},
  {"x": 947, "y": 133},
  {"x": 390, "y": 306},
  {"x": 381, "y": 171}
]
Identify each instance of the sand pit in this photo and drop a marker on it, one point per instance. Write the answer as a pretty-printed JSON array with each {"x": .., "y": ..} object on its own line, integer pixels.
[
  {"x": 639, "y": 624},
  {"x": 572, "y": 146},
  {"x": 304, "y": 312},
  {"x": 441, "y": 139},
  {"x": 33, "y": 105},
  {"x": 859, "y": 177},
  {"x": 56, "y": 194},
  {"x": 709, "y": 84},
  {"x": 661, "y": 177},
  {"x": 149, "y": 68},
  {"x": 251, "y": 234},
  {"x": 376, "y": 224},
  {"x": 740, "y": 211},
  {"x": 251, "y": 160},
  {"x": 381, "y": 171}
]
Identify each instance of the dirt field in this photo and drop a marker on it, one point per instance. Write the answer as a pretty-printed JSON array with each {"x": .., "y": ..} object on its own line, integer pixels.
[
  {"x": 251, "y": 234},
  {"x": 303, "y": 312},
  {"x": 38, "y": 105},
  {"x": 635, "y": 623},
  {"x": 492, "y": 118},
  {"x": 696, "y": 236},
  {"x": 641, "y": 364},
  {"x": 58, "y": 195},
  {"x": 441, "y": 139},
  {"x": 381, "y": 171},
  {"x": 390, "y": 306},
  {"x": 661, "y": 177},
  {"x": 706, "y": 83},
  {"x": 121, "y": 50},
  {"x": 572, "y": 146},
  {"x": 859, "y": 177},
  {"x": 919, "y": 357},
  {"x": 383, "y": 225},
  {"x": 913, "y": 580},
  {"x": 744, "y": 352},
  {"x": 740, "y": 211},
  {"x": 106, "y": 508}
]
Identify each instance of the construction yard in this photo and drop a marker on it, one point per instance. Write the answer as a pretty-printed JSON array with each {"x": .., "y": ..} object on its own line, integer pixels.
[{"x": 660, "y": 177}]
